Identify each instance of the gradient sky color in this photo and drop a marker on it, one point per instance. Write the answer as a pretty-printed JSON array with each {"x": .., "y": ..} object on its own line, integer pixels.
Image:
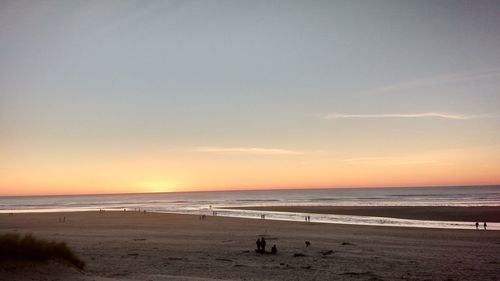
[{"x": 141, "y": 96}]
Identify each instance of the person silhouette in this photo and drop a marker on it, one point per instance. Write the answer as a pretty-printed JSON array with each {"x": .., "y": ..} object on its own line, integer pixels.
[
  {"x": 263, "y": 244},
  {"x": 258, "y": 243},
  {"x": 477, "y": 225},
  {"x": 274, "y": 250},
  {"x": 485, "y": 225}
]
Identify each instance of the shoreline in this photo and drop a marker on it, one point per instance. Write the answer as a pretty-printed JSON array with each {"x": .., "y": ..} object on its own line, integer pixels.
[
  {"x": 424, "y": 217},
  {"x": 430, "y": 213}
]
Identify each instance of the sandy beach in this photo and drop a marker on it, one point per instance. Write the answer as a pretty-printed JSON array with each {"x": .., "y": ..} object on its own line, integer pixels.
[{"x": 151, "y": 246}]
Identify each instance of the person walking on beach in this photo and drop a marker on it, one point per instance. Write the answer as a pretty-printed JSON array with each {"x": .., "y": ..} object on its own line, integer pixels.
[
  {"x": 258, "y": 244},
  {"x": 477, "y": 225},
  {"x": 263, "y": 245},
  {"x": 485, "y": 225}
]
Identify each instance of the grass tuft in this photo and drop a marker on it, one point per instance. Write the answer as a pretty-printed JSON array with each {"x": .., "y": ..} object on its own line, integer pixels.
[{"x": 18, "y": 247}]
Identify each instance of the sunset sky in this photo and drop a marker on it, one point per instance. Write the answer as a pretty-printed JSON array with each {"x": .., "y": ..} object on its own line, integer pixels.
[{"x": 150, "y": 96}]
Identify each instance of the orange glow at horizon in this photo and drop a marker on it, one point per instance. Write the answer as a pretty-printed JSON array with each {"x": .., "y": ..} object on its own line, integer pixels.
[{"x": 236, "y": 172}]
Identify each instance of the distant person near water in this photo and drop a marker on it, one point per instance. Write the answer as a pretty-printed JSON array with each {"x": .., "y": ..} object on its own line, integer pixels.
[
  {"x": 274, "y": 250},
  {"x": 477, "y": 225},
  {"x": 485, "y": 225}
]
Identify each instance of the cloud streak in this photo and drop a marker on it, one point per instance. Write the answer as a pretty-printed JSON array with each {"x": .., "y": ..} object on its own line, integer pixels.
[
  {"x": 389, "y": 161},
  {"x": 434, "y": 81},
  {"x": 247, "y": 150},
  {"x": 441, "y": 115}
]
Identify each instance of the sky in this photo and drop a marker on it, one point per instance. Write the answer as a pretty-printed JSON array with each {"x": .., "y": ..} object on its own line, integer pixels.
[{"x": 157, "y": 96}]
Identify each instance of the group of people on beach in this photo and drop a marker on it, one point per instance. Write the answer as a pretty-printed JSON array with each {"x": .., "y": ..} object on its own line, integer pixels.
[
  {"x": 484, "y": 225},
  {"x": 261, "y": 246}
]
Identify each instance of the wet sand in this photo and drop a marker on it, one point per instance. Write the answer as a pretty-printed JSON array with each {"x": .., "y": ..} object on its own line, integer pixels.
[
  {"x": 148, "y": 246},
  {"x": 441, "y": 213}
]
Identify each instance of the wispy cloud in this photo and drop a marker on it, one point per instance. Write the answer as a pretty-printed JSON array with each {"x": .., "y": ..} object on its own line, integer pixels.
[
  {"x": 442, "y": 115},
  {"x": 418, "y": 84},
  {"x": 389, "y": 161},
  {"x": 247, "y": 150}
]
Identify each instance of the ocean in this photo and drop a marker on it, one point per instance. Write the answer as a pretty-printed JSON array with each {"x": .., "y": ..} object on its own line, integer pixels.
[{"x": 209, "y": 202}]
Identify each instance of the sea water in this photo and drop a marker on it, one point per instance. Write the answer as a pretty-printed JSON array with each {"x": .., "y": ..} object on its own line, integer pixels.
[{"x": 209, "y": 202}]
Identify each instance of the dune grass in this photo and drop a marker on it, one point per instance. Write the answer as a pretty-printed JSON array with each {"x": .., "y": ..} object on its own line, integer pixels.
[{"x": 27, "y": 247}]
